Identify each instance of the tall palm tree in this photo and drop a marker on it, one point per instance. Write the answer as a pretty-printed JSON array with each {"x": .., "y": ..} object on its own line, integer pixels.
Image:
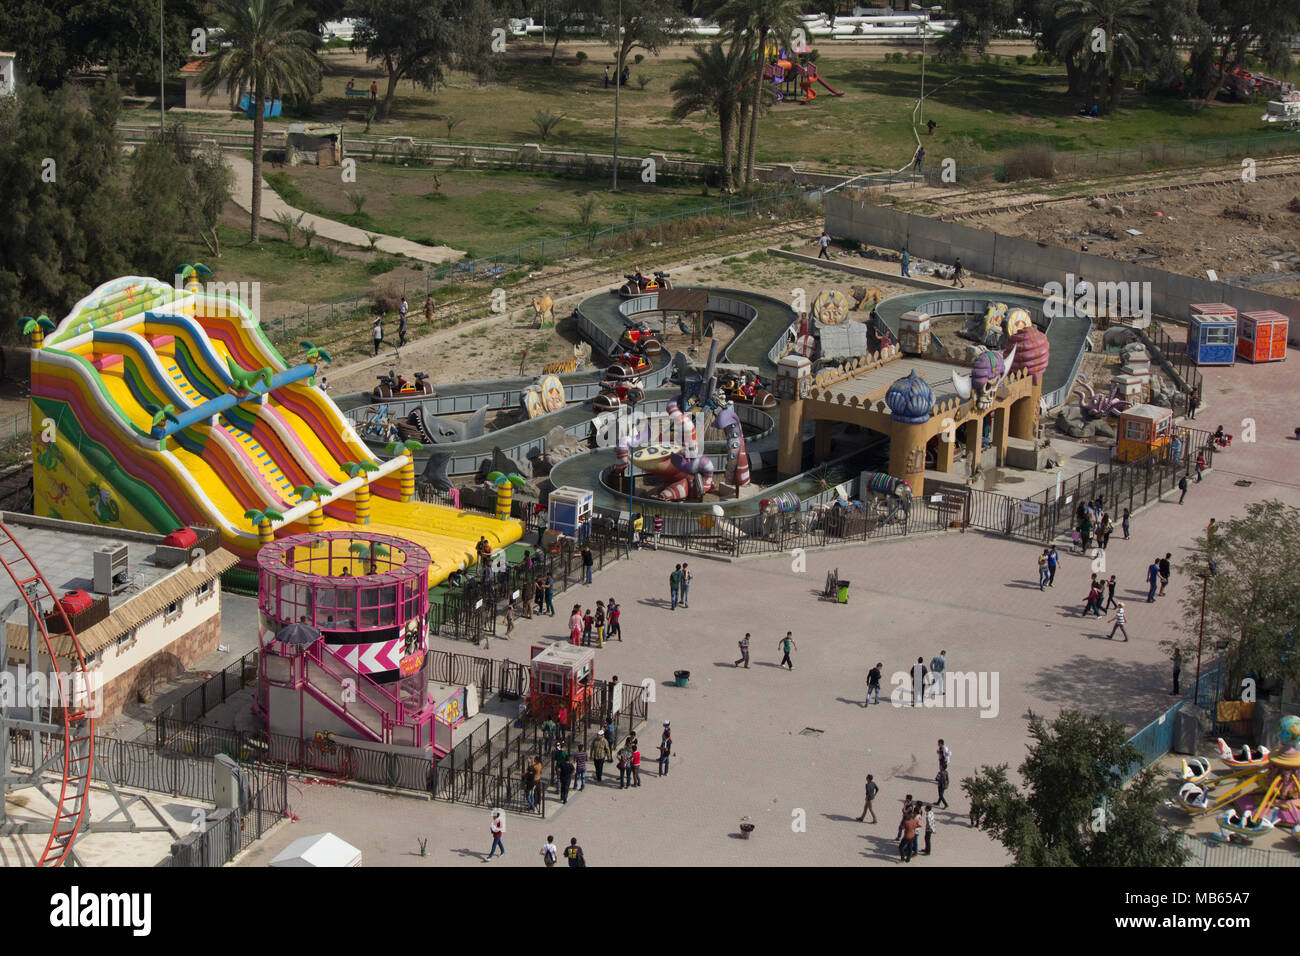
[
  {"x": 767, "y": 23},
  {"x": 265, "y": 48},
  {"x": 1105, "y": 56},
  {"x": 714, "y": 83}
]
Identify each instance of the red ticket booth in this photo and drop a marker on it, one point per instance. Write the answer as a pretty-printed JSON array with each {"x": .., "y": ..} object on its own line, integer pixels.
[
  {"x": 1261, "y": 336},
  {"x": 560, "y": 678}
]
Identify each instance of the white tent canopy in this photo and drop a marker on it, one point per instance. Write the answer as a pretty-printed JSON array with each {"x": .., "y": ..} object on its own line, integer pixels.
[{"x": 323, "y": 849}]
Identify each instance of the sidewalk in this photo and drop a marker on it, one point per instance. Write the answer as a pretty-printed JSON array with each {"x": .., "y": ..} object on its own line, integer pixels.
[{"x": 273, "y": 206}]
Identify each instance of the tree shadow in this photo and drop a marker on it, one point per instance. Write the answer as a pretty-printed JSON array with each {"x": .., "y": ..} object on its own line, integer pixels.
[{"x": 1129, "y": 691}]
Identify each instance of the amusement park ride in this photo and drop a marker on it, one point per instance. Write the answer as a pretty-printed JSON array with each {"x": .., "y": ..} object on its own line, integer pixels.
[{"x": 57, "y": 734}]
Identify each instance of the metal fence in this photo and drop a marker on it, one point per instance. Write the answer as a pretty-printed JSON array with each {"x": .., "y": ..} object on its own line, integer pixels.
[
  {"x": 1173, "y": 354},
  {"x": 226, "y": 833},
  {"x": 1209, "y": 851},
  {"x": 216, "y": 690}
]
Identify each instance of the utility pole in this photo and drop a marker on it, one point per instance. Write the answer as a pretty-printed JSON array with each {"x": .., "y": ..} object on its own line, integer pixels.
[
  {"x": 924, "y": 25},
  {"x": 162, "y": 77},
  {"x": 618, "y": 82}
]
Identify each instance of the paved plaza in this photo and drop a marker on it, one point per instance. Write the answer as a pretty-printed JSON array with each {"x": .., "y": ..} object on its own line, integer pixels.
[{"x": 790, "y": 749}]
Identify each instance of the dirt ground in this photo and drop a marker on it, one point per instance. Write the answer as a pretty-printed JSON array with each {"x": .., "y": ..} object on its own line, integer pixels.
[{"x": 1248, "y": 233}]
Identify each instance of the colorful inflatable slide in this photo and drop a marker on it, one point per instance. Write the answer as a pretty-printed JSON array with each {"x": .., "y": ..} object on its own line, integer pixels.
[{"x": 154, "y": 408}]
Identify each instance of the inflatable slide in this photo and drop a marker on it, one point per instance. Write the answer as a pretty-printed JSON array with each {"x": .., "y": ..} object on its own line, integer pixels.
[{"x": 154, "y": 408}]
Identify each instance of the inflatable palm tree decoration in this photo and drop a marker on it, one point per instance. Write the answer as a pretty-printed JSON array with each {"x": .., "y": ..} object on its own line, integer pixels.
[
  {"x": 165, "y": 414},
  {"x": 315, "y": 356},
  {"x": 262, "y": 521},
  {"x": 363, "y": 493},
  {"x": 365, "y": 552},
  {"x": 36, "y": 328},
  {"x": 505, "y": 486},
  {"x": 409, "y": 449},
  {"x": 315, "y": 520},
  {"x": 189, "y": 276}
]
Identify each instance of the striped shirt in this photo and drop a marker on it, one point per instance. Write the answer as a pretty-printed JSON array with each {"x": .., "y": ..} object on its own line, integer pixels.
[
  {"x": 580, "y": 761},
  {"x": 1119, "y": 616}
]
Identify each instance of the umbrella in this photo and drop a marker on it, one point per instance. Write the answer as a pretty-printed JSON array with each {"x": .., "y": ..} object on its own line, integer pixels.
[{"x": 298, "y": 633}]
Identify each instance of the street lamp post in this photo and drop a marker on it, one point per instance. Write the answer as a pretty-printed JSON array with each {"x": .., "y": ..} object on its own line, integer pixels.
[
  {"x": 631, "y": 476},
  {"x": 922, "y": 28},
  {"x": 1200, "y": 638},
  {"x": 618, "y": 82},
  {"x": 162, "y": 77}
]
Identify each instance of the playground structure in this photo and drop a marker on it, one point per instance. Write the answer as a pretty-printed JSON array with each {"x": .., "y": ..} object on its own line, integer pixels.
[
  {"x": 794, "y": 77},
  {"x": 170, "y": 407},
  {"x": 1257, "y": 791},
  {"x": 343, "y": 631}
]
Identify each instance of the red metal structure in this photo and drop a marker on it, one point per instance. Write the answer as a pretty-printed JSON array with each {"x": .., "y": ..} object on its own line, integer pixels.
[{"x": 78, "y": 724}]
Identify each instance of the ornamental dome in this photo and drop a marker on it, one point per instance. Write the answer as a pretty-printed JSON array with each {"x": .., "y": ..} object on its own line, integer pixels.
[
  {"x": 1032, "y": 351},
  {"x": 910, "y": 399}
]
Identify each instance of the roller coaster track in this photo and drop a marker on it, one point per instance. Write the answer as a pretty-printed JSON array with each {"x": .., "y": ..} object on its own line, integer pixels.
[{"x": 78, "y": 724}]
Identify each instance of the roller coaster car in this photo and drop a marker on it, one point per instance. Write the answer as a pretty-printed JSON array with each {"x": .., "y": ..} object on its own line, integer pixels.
[
  {"x": 397, "y": 386},
  {"x": 615, "y": 394},
  {"x": 627, "y": 365},
  {"x": 635, "y": 285},
  {"x": 747, "y": 390},
  {"x": 640, "y": 338}
]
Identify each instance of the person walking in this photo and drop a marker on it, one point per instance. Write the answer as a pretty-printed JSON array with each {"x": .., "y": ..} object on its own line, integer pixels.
[
  {"x": 956, "y": 274},
  {"x": 1178, "y": 670},
  {"x": 930, "y": 125},
  {"x": 606, "y": 77},
  {"x": 1182, "y": 489},
  {"x": 566, "y": 777},
  {"x": 665, "y": 749},
  {"x": 615, "y": 620},
  {"x": 538, "y": 785},
  {"x": 873, "y": 685},
  {"x": 918, "y": 158},
  {"x": 1165, "y": 569},
  {"x": 929, "y": 827},
  {"x": 1110, "y": 593},
  {"x": 530, "y": 782},
  {"x": 823, "y": 242},
  {"x": 1193, "y": 401},
  {"x": 1210, "y": 530},
  {"x": 1124, "y": 523},
  {"x": 939, "y": 664},
  {"x": 573, "y": 853},
  {"x": 377, "y": 331},
  {"x": 872, "y": 789},
  {"x": 1119, "y": 619},
  {"x": 1153, "y": 579},
  {"x": 627, "y": 74},
  {"x": 550, "y": 595},
  {"x": 402, "y": 308},
  {"x": 1042, "y": 570},
  {"x": 1053, "y": 559},
  {"x": 944, "y": 754},
  {"x": 907, "y": 812},
  {"x": 941, "y": 781},
  {"x": 687, "y": 577},
  {"x": 497, "y": 828},
  {"x": 588, "y": 624},
  {"x": 429, "y": 309},
  {"x": 636, "y": 761},
  {"x": 575, "y": 625},
  {"x": 598, "y": 623},
  {"x": 919, "y": 674},
  {"x": 548, "y": 735},
  {"x": 743, "y": 643},
  {"x": 558, "y": 757},
  {"x": 1093, "y": 600},
  {"x": 588, "y": 562},
  {"x": 905, "y": 261},
  {"x": 908, "y": 839},
  {"x": 550, "y": 852},
  {"x": 600, "y": 753},
  {"x": 675, "y": 585},
  {"x": 580, "y": 768},
  {"x": 787, "y": 644},
  {"x": 510, "y": 617},
  {"x": 1200, "y": 465}
]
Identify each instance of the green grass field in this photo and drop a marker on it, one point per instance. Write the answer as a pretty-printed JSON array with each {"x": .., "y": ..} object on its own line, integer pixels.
[{"x": 984, "y": 108}]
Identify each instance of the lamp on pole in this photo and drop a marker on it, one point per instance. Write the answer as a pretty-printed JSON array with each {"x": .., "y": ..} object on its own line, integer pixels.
[
  {"x": 631, "y": 474},
  {"x": 618, "y": 83},
  {"x": 922, "y": 28},
  {"x": 162, "y": 77},
  {"x": 1200, "y": 638}
]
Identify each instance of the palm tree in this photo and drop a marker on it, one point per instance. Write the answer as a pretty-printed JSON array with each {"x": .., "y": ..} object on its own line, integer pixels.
[
  {"x": 767, "y": 22},
  {"x": 315, "y": 355},
  {"x": 505, "y": 485},
  {"x": 409, "y": 449},
  {"x": 363, "y": 493},
  {"x": 262, "y": 521},
  {"x": 714, "y": 82},
  {"x": 1107, "y": 37},
  {"x": 189, "y": 275},
  {"x": 315, "y": 520},
  {"x": 265, "y": 48},
  {"x": 365, "y": 552},
  {"x": 165, "y": 414},
  {"x": 36, "y": 328}
]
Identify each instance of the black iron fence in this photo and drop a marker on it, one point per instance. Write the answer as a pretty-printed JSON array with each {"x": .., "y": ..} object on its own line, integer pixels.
[
  {"x": 216, "y": 690},
  {"x": 1176, "y": 354},
  {"x": 226, "y": 833}
]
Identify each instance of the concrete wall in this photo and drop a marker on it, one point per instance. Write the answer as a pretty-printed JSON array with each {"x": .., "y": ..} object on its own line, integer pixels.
[{"x": 1037, "y": 263}]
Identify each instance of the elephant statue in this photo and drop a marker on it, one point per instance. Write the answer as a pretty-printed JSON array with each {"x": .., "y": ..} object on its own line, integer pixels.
[
  {"x": 897, "y": 492},
  {"x": 1118, "y": 337}
]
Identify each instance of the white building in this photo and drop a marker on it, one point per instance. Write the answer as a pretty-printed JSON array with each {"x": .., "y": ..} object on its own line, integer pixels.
[{"x": 11, "y": 74}]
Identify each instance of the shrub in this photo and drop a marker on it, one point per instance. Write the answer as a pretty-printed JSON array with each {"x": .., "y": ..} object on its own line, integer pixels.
[
  {"x": 581, "y": 56},
  {"x": 377, "y": 267},
  {"x": 586, "y": 209},
  {"x": 385, "y": 297},
  {"x": 545, "y": 122},
  {"x": 1021, "y": 59},
  {"x": 640, "y": 58},
  {"x": 642, "y": 80},
  {"x": 1029, "y": 162},
  {"x": 356, "y": 199}
]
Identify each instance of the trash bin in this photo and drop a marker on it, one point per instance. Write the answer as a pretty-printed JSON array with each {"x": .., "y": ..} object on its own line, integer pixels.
[
  {"x": 746, "y": 828},
  {"x": 842, "y": 592},
  {"x": 683, "y": 677}
]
